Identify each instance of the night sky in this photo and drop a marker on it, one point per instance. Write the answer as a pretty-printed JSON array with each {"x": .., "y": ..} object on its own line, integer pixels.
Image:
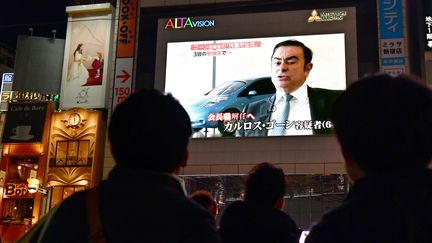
[{"x": 17, "y": 16}]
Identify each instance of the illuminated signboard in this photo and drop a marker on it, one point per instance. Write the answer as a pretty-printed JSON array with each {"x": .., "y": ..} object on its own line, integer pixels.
[
  {"x": 16, "y": 189},
  {"x": 186, "y": 22},
  {"x": 7, "y": 77},
  {"x": 6, "y": 87},
  {"x": 392, "y": 54},
  {"x": 324, "y": 16},
  {"x": 428, "y": 22}
]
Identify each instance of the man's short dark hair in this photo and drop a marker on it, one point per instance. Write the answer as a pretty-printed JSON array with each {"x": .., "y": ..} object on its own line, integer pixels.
[
  {"x": 306, "y": 50},
  {"x": 149, "y": 131},
  {"x": 265, "y": 184},
  {"x": 384, "y": 123}
]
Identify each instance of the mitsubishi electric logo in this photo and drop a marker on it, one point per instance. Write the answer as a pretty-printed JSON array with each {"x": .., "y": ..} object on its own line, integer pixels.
[{"x": 325, "y": 16}]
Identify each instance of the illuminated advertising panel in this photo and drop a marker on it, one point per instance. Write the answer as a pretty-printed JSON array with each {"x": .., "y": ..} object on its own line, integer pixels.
[
  {"x": 86, "y": 65},
  {"x": 219, "y": 68}
]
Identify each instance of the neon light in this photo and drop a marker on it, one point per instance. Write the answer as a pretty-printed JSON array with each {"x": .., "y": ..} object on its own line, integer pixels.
[
  {"x": 183, "y": 22},
  {"x": 188, "y": 23},
  {"x": 169, "y": 24}
]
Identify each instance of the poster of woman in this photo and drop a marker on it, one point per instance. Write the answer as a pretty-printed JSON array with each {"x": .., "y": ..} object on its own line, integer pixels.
[
  {"x": 77, "y": 70},
  {"x": 87, "y": 42}
]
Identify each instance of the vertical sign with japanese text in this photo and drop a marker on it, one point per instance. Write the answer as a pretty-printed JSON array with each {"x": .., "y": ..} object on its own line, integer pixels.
[
  {"x": 391, "y": 22},
  {"x": 128, "y": 15},
  {"x": 6, "y": 90},
  {"x": 428, "y": 22},
  {"x": 392, "y": 42}
]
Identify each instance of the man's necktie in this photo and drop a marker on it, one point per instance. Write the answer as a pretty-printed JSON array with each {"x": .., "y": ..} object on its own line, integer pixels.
[{"x": 279, "y": 126}]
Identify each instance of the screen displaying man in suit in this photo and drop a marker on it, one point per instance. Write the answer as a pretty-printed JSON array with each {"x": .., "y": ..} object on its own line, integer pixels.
[{"x": 295, "y": 109}]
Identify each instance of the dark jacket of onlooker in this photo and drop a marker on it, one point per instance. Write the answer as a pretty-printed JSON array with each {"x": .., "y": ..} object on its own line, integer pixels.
[
  {"x": 248, "y": 222},
  {"x": 259, "y": 217},
  {"x": 384, "y": 126},
  {"x": 395, "y": 208},
  {"x": 163, "y": 214},
  {"x": 143, "y": 198}
]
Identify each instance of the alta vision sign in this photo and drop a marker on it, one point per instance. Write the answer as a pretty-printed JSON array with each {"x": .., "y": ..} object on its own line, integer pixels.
[{"x": 187, "y": 22}]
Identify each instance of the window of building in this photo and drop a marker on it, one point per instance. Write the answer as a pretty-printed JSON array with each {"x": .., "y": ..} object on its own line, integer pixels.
[
  {"x": 17, "y": 210},
  {"x": 60, "y": 193},
  {"x": 307, "y": 197},
  {"x": 20, "y": 168},
  {"x": 72, "y": 153}
]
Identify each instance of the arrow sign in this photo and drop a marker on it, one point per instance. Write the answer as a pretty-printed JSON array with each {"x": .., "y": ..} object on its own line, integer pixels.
[
  {"x": 430, "y": 44},
  {"x": 123, "y": 80},
  {"x": 125, "y": 76}
]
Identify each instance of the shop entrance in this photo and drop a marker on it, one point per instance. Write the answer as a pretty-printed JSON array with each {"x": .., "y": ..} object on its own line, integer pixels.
[{"x": 59, "y": 193}]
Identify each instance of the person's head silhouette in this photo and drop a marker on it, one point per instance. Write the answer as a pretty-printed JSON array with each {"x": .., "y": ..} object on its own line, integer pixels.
[
  {"x": 384, "y": 124},
  {"x": 150, "y": 131}
]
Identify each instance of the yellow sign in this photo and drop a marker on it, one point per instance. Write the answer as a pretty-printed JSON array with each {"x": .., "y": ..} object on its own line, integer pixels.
[{"x": 6, "y": 96}]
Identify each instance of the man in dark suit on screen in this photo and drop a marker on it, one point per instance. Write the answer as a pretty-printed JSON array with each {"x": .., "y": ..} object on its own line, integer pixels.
[{"x": 295, "y": 109}]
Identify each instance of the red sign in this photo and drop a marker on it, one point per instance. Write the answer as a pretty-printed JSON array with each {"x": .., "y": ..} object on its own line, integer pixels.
[
  {"x": 226, "y": 45},
  {"x": 124, "y": 77}
]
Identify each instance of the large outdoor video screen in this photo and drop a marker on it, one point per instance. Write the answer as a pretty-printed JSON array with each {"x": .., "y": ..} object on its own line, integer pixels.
[{"x": 223, "y": 73}]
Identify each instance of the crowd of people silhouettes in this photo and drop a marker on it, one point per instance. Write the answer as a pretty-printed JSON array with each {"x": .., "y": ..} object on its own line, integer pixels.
[{"x": 383, "y": 124}]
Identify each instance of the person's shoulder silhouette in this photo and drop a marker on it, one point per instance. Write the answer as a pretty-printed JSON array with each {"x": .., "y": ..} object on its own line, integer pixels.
[
  {"x": 143, "y": 199},
  {"x": 259, "y": 217},
  {"x": 384, "y": 126}
]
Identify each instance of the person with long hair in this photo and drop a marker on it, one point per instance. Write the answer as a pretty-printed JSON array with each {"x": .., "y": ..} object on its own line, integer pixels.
[{"x": 77, "y": 71}]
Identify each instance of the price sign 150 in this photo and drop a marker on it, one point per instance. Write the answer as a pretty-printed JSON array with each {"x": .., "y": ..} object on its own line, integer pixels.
[{"x": 121, "y": 93}]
